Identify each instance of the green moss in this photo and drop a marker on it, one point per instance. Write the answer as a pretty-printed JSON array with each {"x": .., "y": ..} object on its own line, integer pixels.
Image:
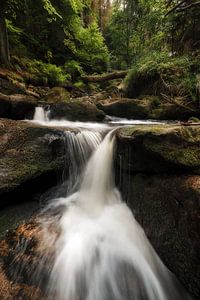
[
  {"x": 56, "y": 95},
  {"x": 158, "y": 73},
  {"x": 80, "y": 85},
  {"x": 144, "y": 129},
  {"x": 162, "y": 147},
  {"x": 194, "y": 119},
  {"x": 41, "y": 73}
]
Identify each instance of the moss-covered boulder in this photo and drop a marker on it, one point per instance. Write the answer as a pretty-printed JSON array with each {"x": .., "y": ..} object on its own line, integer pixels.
[
  {"x": 172, "y": 111},
  {"x": 125, "y": 108},
  {"x": 148, "y": 107},
  {"x": 158, "y": 172},
  {"x": 57, "y": 95},
  {"x": 17, "y": 107},
  {"x": 159, "y": 148},
  {"x": 77, "y": 110},
  {"x": 30, "y": 158}
]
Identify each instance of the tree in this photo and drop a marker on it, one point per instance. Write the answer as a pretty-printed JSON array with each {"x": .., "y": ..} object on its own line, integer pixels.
[
  {"x": 54, "y": 31},
  {"x": 4, "y": 47},
  {"x": 184, "y": 17}
]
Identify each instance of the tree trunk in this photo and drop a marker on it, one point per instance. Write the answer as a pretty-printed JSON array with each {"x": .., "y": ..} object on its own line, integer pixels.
[
  {"x": 104, "y": 77},
  {"x": 4, "y": 48}
]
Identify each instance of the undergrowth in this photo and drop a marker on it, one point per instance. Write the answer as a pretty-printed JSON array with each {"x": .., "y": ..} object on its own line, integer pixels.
[{"x": 159, "y": 73}]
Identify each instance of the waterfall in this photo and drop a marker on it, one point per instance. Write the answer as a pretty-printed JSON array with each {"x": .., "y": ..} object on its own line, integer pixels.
[
  {"x": 101, "y": 252},
  {"x": 40, "y": 114}
]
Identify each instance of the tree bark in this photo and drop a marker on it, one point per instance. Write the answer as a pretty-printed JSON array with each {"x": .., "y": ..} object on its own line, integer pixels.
[
  {"x": 104, "y": 77},
  {"x": 4, "y": 47}
]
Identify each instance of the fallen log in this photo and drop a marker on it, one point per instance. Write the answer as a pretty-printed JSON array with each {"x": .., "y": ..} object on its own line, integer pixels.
[{"x": 105, "y": 77}]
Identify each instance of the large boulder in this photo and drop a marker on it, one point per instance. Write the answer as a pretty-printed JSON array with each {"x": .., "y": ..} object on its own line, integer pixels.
[
  {"x": 158, "y": 171},
  {"x": 77, "y": 109},
  {"x": 17, "y": 107},
  {"x": 31, "y": 156},
  {"x": 160, "y": 148},
  {"x": 125, "y": 108},
  {"x": 167, "y": 207}
]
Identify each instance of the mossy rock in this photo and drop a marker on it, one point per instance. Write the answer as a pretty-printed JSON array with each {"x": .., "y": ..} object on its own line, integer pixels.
[
  {"x": 170, "y": 111},
  {"x": 125, "y": 108},
  {"x": 167, "y": 207},
  {"x": 17, "y": 107},
  {"x": 57, "y": 95},
  {"x": 77, "y": 110},
  {"x": 28, "y": 152},
  {"x": 160, "y": 148}
]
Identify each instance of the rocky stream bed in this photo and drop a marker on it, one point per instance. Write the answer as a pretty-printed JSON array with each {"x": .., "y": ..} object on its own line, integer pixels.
[{"x": 157, "y": 170}]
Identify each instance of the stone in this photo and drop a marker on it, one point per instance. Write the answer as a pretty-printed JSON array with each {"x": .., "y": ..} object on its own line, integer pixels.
[
  {"x": 31, "y": 158},
  {"x": 77, "y": 110},
  {"x": 167, "y": 207},
  {"x": 159, "y": 148},
  {"x": 124, "y": 108}
]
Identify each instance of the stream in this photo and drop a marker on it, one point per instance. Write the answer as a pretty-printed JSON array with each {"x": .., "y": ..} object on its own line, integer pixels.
[{"x": 100, "y": 252}]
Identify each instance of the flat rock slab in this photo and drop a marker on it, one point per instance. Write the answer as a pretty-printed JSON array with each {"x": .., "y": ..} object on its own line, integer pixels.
[{"x": 159, "y": 148}]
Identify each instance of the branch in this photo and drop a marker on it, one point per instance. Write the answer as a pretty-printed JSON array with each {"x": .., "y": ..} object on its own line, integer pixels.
[
  {"x": 104, "y": 77},
  {"x": 175, "y": 7},
  {"x": 181, "y": 9},
  {"x": 173, "y": 101}
]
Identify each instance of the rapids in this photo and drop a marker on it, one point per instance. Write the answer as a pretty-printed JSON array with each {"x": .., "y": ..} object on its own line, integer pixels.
[{"x": 100, "y": 250}]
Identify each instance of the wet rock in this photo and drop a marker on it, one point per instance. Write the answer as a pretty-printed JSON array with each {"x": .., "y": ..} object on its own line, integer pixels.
[
  {"x": 17, "y": 106},
  {"x": 77, "y": 110},
  {"x": 20, "y": 258},
  {"x": 158, "y": 172},
  {"x": 31, "y": 157},
  {"x": 148, "y": 107},
  {"x": 124, "y": 108},
  {"x": 159, "y": 149},
  {"x": 167, "y": 207}
]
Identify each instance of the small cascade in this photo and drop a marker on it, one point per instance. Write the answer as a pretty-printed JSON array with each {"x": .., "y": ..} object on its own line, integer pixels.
[
  {"x": 41, "y": 115},
  {"x": 79, "y": 147},
  {"x": 100, "y": 251}
]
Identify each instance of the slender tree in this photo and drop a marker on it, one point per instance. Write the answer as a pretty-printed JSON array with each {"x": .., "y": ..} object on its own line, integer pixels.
[{"x": 4, "y": 46}]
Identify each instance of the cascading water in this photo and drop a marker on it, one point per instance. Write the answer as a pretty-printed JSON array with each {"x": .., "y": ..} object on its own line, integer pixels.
[
  {"x": 101, "y": 252},
  {"x": 96, "y": 248},
  {"x": 40, "y": 114}
]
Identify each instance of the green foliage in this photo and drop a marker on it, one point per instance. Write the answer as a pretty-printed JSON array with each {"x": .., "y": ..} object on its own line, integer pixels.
[
  {"x": 136, "y": 27},
  {"x": 79, "y": 84},
  {"x": 194, "y": 120},
  {"x": 43, "y": 73},
  {"x": 74, "y": 68},
  {"x": 158, "y": 73},
  {"x": 155, "y": 102},
  {"x": 15, "y": 33},
  {"x": 55, "y": 32},
  {"x": 92, "y": 52}
]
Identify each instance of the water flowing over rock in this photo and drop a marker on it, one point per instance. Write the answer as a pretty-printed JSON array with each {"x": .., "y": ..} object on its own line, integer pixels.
[
  {"x": 86, "y": 244},
  {"x": 31, "y": 158},
  {"x": 92, "y": 224}
]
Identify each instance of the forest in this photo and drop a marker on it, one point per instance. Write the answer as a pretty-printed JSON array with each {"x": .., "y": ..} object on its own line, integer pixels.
[
  {"x": 99, "y": 149},
  {"x": 61, "y": 41}
]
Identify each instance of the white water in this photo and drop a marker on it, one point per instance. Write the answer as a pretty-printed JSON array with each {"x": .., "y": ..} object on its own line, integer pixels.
[
  {"x": 42, "y": 117},
  {"x": 101, "y": 252},
  {"x": 40, "y": 114}
]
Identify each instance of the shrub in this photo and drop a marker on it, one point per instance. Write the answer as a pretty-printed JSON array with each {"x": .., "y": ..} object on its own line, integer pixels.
[
  {"x": 43, "y": 73},
  {"x": 158, "y": 72}
]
